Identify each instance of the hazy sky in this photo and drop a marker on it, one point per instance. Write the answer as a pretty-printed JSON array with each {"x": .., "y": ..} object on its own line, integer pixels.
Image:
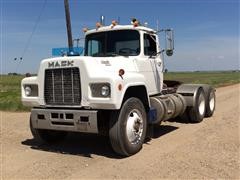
[{"x": 206, "y": 31}]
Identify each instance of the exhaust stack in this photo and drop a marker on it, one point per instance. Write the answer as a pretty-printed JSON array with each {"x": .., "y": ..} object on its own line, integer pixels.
[{"x": 68, "y": 23}]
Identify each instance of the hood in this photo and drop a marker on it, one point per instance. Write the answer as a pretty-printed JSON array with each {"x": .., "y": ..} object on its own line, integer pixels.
[{"x": 93, "y": 63}]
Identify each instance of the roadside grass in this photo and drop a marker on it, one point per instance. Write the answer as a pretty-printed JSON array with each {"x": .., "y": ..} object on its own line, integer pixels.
[
  {"x": 10, "y": 93},
  {"x": 216, "y": 79},
  {"x": 10, "y": 86}
]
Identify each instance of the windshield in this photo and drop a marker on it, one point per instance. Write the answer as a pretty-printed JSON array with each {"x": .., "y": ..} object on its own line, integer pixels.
[{"x": 113, "y": 43}]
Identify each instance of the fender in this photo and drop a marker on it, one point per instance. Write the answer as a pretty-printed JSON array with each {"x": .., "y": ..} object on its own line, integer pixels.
[
  {"x": 189, "y": 91},
  {"x": 135, "y": 85}
]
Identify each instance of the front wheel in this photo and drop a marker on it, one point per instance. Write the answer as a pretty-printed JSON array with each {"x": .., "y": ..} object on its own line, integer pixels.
[
  {"x": 128, "y": 127},
  {"x": 48, "y": 136}
]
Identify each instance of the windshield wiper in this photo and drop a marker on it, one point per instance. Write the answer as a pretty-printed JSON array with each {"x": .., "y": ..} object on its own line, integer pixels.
[{"x": 112, "y": 54}]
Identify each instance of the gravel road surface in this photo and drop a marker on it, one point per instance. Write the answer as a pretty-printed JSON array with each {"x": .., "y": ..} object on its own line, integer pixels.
[{"x": 207, "y": 150}]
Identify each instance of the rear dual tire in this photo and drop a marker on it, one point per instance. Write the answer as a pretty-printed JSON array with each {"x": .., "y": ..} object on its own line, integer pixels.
[
  {"x": 204, "y": 105},
  {"x": 210, "y": 101},
  {"x": 196, "y": 113}
]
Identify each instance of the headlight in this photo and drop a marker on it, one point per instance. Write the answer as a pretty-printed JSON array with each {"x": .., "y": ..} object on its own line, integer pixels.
[
  {"x": 100, "y": 90},
  {"x": 105, "y": 91},
  {"x": 31, "y": 90},
  {"x": 28, "y": 90}
]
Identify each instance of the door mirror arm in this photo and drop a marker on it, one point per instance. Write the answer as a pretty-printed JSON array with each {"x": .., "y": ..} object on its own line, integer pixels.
[{"x": 156, "y": 53}]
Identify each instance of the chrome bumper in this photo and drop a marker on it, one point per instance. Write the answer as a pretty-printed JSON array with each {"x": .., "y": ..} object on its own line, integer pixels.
[{"x": 65, "y": 120}]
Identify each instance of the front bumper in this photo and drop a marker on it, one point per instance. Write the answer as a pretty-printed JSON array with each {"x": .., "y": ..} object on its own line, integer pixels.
[{"x": 65, "y": 120}]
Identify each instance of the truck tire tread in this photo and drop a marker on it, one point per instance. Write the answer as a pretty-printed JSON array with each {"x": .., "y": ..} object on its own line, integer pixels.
[{"x": 117, "y": 131}]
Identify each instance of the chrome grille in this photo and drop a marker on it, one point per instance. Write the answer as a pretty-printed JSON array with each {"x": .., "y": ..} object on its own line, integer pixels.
[{"x": 62, "y": 86}]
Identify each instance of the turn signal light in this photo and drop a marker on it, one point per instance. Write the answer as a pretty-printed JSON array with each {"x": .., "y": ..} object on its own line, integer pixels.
[{"x": 119, "y": 87}]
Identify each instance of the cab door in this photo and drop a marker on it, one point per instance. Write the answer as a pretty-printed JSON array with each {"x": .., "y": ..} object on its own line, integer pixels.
[{"x": 151, "y": 53}]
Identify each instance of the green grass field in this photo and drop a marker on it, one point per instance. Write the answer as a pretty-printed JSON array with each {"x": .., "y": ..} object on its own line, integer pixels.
[
  {"x": 10, "y": 94},
  {"x": 215, "y": 79}
]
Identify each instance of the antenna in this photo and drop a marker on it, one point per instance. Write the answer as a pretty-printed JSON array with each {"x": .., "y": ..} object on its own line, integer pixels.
[
  {"x": 118, "y": 20},
  {"x": 102, "y": 20},
  {"x": 157, "y": 25}
]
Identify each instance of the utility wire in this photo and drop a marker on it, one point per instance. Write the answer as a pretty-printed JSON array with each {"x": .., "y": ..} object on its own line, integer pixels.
[{"x": 31, "y": 35}]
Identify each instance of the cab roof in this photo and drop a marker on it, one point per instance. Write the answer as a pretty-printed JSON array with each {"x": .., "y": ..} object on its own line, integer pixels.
[{"x": 120, "y": 27}]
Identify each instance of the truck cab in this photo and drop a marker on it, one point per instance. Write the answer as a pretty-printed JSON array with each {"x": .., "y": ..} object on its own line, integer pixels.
[
  {"x": 138, "y": 46},
  {"x": 133, "y": 51}
]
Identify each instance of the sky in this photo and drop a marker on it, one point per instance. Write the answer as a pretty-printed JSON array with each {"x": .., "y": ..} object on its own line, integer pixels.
[{"x": 206, "y": 31}]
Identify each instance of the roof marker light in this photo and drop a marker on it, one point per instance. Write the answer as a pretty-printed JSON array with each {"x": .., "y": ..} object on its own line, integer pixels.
[
  {"x": 98, "y": 25},
  {"x": 85, "y": 30},
  {"x": 114, "y": 23},
  {"x": 135, "y": 22}
]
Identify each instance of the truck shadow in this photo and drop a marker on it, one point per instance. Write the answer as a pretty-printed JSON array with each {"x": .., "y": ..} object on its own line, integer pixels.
[
  {"x": 86, "y": 145},
  {"x": 160, "y": 130},
  {"x": 78, "y": 144}
]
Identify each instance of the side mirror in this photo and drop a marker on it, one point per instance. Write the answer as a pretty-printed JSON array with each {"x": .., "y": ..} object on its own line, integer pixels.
[{"x": 169, "y": 42}]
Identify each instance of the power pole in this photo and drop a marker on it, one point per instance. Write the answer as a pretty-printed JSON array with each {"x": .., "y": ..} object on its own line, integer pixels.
[{"x": 68, "y": 23}]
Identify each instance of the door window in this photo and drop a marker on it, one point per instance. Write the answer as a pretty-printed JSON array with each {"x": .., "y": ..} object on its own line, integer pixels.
[{"x": 150, "y": 47}]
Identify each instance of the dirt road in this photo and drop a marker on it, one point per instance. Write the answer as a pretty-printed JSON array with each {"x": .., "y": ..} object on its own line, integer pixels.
[{"x": 210, "y": 149}]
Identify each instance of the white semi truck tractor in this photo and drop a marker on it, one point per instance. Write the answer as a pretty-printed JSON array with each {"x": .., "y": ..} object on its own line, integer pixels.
[{"x": 117, "y": 88}]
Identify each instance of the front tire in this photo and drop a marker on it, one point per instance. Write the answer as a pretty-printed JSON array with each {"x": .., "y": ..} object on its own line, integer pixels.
[
  {"x": 128, "y": 127},
  {"x": 47, "y": 136}
]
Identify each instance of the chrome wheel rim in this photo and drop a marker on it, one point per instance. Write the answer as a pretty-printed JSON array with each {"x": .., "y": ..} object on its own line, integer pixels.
[
  {"x": 134, "y": 126},
  {"x": 201, "y": 105}
]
